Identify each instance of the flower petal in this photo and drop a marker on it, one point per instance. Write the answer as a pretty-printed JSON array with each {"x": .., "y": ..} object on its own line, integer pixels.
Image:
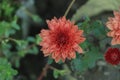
[
  {"x": 78, "y": 48},
  {"x": 57, "y": 59},
  {"x": 72, "y": 55},
  {"x": 113, "y": 42},
  {"x": 111, "y": 33}
]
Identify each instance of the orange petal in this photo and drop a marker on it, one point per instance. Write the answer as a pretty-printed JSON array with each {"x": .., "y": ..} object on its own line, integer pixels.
[
  {"x": 72, "y": 55},
  {"x": 63, "y": 60},
  {"x": 113, "y": 42},
  {"x": 111, "y": 33},
  {"x": 108, "y": 24},
  {"x": 45, "y": 45},
  {"x": 64, "y": 55},
  {"x": 117, "y": 14},
  {"x": 46, "y": 54},
  {"x": 51, "y": 24},
  {"x": 57, "y": 59},
  {"x": 118, "y": 40},
  {"x": 78, "y": 48},
  {"x": 53, "y": 55},
  {"x": 80, "y": 32},
  {"x": 82, "y": 39},
  {"x": 74, "y": 28},
  {"x": 44, "y": 32}
]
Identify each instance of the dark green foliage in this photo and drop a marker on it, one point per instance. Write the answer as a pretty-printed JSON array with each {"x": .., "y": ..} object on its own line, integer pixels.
[
  {"x": 88, "y": 60},
  {"x": 12, "y": 48},
  {"x": 57, "y": 73},
  {"x": 94, "y": 33},
  {"x": 6, "y": 71}
]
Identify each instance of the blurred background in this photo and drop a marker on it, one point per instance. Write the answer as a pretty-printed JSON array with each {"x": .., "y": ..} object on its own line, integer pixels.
[{"x": 28, "y": 17}]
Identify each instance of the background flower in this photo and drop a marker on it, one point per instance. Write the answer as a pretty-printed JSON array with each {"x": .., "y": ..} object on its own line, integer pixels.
[
  {"x": 114, "y": 25},
  {"x": 112, "y": 56},
  {"x": 62, "y": 39}
]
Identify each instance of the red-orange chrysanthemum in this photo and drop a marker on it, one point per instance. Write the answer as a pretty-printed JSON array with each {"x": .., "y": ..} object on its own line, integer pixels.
[
  {"x": 112, "y": 56},
  {"x": 114, "y": 25},
  {"x": 62, "y": 39}
]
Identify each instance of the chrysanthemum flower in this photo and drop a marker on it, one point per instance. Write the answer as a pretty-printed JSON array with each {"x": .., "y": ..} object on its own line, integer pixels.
[
  {"x": 112, "y": 56},
  {"x": 114, "y": 25},
  {"x": 62, "y": 39}
]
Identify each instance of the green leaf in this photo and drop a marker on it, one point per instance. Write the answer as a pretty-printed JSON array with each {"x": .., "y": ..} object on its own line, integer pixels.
[
  {"x": 77, "y": 65},
  {"x": 85, "y": 44},
  {"x": 98, "y": 29},
  {"x": 36, "y": 18},
  {"x": 6, "y": 71},
  {"x": 4, "y": 27},
  {"x": 15, "y": 25},
  {"x": 22, "y": 44},
  {"x": 85, "y": 25},
  {"x": 5, "y": 48},
  {"x": 7, "y": 8},
  {"x": 56, "y": 73},
  {"x": 82, "y": 63},
  {"x": 91, "y": 57},
  {"x": 50, "y": 61},
  {"x": 103, "y": 43},
  {"x": 17, "y": 63},
  {"x": 62, "y": 72},
  {"x": 33, "y": 50},
  {"x": 9, "y": 32},
  {"x": 97, "y": 7},
  {"x": 38, "y": 39},
  {"x": 22, "y": 53},
  {"x": 31, "y": 39},
  {"x": 95, "y": 28},
  {"x": 24, "y": 48}
]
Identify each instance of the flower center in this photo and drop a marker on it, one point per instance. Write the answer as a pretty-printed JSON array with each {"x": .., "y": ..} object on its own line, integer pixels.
[
  {"x": 62, "y": 39},
  {"x": 114, "y": 56}
]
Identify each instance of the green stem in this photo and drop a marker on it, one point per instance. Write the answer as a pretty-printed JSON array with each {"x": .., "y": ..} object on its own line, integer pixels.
[{"x": 68, "y": 9}]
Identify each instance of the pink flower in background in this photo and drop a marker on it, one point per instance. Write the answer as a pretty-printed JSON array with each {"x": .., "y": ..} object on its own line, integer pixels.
[
  {"x": 112, "y": 56},
  {"x": 62, "y": 39},
  {"x": 114, "y": 26}
]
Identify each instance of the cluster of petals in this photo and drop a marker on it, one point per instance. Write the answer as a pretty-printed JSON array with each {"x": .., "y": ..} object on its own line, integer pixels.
[
  {"x": 114, "y": 26},
  {"x": 112, "y": 56},
  {"x": 61, "y": 41}
]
